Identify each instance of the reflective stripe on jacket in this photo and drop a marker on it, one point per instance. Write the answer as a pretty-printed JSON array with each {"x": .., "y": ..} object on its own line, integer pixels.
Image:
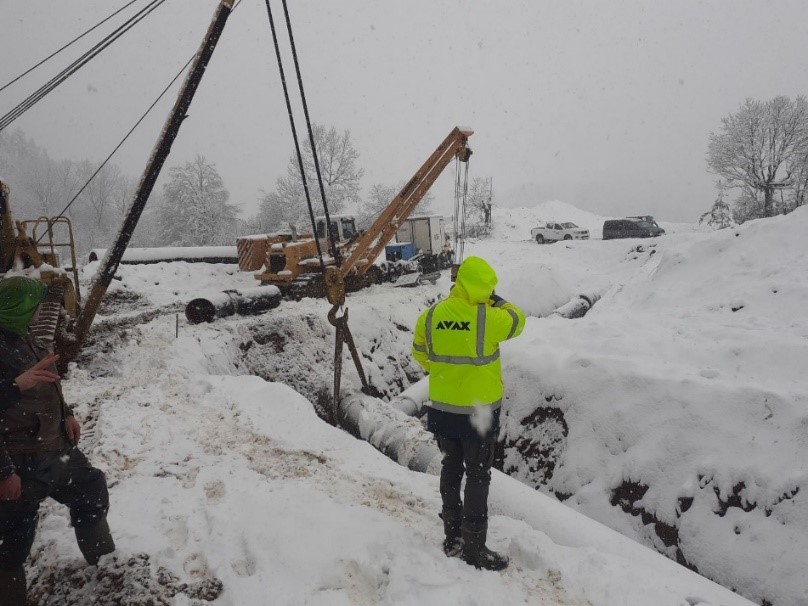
[{"x": 457, "y": 341}]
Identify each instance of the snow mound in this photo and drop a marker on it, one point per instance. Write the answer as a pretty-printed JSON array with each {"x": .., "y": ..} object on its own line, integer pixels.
[
  {"x": 516, "y": 223},
  {"x": 675, "y": 410}
]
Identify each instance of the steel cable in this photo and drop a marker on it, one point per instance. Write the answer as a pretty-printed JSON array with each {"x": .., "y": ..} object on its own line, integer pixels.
[
  {"x": 74, "y": 40},
  {"x": 294, "y": 136},
  {"x": 47, "y": 88}
]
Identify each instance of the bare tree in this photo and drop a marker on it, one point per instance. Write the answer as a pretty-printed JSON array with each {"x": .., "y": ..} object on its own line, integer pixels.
[
  {"x": 43, "y": 187},
  {"x": 799, "y": 193},
  {"x": 98, "y": 199},
  {"x": 479, "y": 204},
  {"x": 338, "y": 165},
  {"x": 759, "y": 149},
  {"x": 380, "y": 197},
  {"x": 276, "y": 214}
]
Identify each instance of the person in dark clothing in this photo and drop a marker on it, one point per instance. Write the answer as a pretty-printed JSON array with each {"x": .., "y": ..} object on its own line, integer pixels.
[
  {"x": 457, "y": 342},
  {"x": 39, "y": 457}
]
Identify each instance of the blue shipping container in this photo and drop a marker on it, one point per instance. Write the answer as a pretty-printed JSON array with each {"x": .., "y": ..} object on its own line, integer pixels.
[{"x": 400, "y": 251}]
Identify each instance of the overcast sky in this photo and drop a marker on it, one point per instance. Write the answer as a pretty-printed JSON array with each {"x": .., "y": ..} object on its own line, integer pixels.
[{"x": 604, "y": 105}]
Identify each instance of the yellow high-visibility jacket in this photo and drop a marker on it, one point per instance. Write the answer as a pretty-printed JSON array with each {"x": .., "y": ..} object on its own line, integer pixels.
[{"x": 457, "y": 341}]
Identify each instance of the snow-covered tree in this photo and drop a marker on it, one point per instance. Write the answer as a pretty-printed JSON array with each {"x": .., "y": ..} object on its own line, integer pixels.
[
  {"x": 274, "y": 214},
  {"x": 42, "y": 186},
  {"x": 195, "y": 209},
  {"x": 798, "y": 195},
  {"x": 341, "y": 178},
  {"x": 380, "y": 197},
  {"x": 479, "y": 202},
  {"x": 760, "y": 149},
  {"x": 720, "y": 215}
]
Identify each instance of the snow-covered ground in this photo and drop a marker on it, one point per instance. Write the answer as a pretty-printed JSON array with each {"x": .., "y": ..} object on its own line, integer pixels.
[
  {"x": 682, "y": 393},
  {"x": 675, "y": 408}
]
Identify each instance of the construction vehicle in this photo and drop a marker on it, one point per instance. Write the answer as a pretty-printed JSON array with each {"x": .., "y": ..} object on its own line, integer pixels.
[
  {"x": 39, "y": 255},
  {"x": 422, "y": 240},
  {"x": 70, "y": 323},
  {"x": 294, "y": 265}
]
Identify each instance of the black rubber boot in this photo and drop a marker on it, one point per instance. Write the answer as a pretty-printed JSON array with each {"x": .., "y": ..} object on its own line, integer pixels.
[
  {"x": 477, "y": 554},
  {"x": 453, "y": 543},
  {"x": 12, "y": 587},
  {"x": 95, "y": 541}
]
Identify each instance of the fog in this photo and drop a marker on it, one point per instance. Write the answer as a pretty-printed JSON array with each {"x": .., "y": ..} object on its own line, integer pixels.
[{"x": 605, "y": 106}]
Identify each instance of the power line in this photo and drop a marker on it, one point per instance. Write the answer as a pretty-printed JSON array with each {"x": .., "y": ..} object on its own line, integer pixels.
[
  {"x": 131, "y": 130},
  {"x": 56, "y": 52},
  {"x": 44, "y": 90},
  {"x": 117, "y": 147}
]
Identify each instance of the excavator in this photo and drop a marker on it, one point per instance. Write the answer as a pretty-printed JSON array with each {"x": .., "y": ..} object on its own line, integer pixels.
[{"x": 292, "y": 264}]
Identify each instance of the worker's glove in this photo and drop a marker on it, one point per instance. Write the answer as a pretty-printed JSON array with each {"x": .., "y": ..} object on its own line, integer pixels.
[{"x": 495, "y": 298}]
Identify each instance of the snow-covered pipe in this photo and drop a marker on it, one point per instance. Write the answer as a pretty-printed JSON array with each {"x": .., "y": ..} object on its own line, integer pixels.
[
  {"x": 577, "y": 306},
  {"x": 391, "y": 427},
  {"x": 189, "y": 254},
  {"x": 245, "y": 302},
  {"x": 391, "y": 431},
  {"x": 411, "y": 401}
]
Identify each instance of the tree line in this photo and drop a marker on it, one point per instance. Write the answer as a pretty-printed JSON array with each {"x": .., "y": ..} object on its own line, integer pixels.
[
  {"x": 193, "y": 206},
  {"x": 761, "y": 154}
]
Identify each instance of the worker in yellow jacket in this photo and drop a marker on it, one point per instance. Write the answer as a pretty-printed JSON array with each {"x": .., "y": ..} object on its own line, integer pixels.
[{"x": 457, "y": 342}]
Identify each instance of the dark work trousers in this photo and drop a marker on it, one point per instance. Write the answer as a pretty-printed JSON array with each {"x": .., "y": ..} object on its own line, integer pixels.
[
  {"x": 474, "y": 456},
  {"x": 65, "y": 476}
]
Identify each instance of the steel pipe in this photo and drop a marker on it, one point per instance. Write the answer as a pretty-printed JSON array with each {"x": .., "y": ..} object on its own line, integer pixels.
[{"x": 246, "y": 302}]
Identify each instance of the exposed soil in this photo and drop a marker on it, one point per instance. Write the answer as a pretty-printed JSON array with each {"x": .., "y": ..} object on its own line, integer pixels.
[{"x": 114, "y": 582}]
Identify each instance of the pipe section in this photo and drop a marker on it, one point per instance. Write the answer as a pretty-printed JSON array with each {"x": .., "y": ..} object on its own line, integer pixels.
[
  {"x": 391, "y": 431},
  {"x": 577, "y": 306},
  {"x": 245, "y": 302}
]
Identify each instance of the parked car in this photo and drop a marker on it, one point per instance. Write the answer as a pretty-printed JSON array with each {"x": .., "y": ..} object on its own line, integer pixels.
[
  {"x": 646, "y": 218},
  {"x": 553, "y": 232},
  {"x": 630, "y": 228}
]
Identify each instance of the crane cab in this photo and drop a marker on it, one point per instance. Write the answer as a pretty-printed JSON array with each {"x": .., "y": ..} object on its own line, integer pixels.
[{"x": 343, "y": 226}]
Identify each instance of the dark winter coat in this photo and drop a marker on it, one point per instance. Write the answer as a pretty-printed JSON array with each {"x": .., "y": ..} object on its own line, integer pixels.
[{"x": 32, "y": 421}]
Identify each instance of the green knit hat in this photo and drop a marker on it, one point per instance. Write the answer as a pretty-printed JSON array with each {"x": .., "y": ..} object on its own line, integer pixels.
[{"x": 19, "y": 298}]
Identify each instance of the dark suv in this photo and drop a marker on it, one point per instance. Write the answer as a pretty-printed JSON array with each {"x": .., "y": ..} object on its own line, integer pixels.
[{"x": 630, "y": 228}]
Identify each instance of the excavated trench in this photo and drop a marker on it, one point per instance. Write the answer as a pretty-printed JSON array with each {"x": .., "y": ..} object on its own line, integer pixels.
[
  {"x": 300, "y": 353},
  {"x": 296, "y": 348},
  {"x": 533, "y": 449}
]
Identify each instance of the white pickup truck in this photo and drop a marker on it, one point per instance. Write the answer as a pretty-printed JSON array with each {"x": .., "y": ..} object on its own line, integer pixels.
[{"x": 553, "y": 232}]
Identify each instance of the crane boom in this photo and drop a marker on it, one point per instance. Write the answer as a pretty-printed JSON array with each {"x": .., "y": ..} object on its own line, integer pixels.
[
  {"x": 401, "y": 207},
  {"x": 158, "y": 157},
  {"x": 371, "y": 243}
]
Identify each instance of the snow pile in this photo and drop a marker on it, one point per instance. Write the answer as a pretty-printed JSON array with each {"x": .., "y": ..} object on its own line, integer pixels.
[
  {"x": 679, "y": 400},
  {"x": 516, "y": 223}
]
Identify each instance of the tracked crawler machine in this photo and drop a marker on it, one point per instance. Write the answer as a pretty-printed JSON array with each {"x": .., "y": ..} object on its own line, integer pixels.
[
  {"x": 68, "y": 323},
  {"x": 293, "y": 265},
  {"x": 37, "y": 247}
]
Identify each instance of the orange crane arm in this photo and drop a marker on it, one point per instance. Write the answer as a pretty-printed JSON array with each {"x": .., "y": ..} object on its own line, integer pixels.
[{"x": 373, "y": 241}]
